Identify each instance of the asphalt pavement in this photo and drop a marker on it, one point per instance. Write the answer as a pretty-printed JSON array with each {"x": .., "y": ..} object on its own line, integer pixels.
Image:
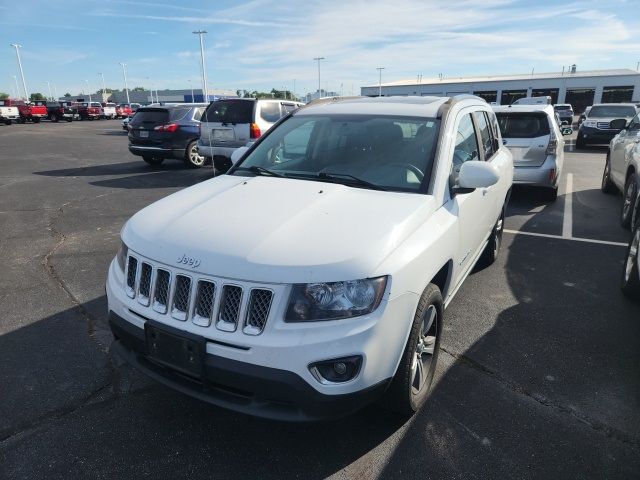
[{"x": 538, "y": 374}]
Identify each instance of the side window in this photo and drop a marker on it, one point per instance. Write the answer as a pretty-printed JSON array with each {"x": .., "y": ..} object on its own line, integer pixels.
[
  {"x": 495, "y": 128},
  {"x": 197, "y": 115},
  {"x": 466, "y": 146},
  {"x": 485, "y": 134},
  {"x": 293, "y": 145},
  {"x": 270, "y": 111},
  {"x": 288, "y": 108},
  {"x": 635, "y": 123}
]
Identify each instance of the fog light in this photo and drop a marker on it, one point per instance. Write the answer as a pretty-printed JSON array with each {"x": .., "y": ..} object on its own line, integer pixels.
[{"x": 337, "y": 370}]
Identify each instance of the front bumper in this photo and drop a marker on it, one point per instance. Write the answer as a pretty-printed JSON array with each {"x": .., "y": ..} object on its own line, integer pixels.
[
  {"x": 279, "y": 357},
  {"x": 240, "y": 386},
  {"x": 596, "y": 135},
  {"x": 546, "y": 175}
]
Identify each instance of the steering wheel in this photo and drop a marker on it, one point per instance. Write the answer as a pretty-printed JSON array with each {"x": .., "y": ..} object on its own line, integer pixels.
[{"x": 410, "y": 167}]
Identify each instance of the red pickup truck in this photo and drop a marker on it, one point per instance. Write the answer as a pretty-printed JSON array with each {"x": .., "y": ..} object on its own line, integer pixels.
[
  {"x": 30, "y": 111},
  {"x": 123, "y": 110},
  {"x": 90, "y": 110}
]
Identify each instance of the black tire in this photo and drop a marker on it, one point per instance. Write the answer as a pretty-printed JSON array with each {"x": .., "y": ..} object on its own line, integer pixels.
[
  {"x": 7, "y": 122},
  {"x": 21, "y": 121},
  {"x": 35, "y": 119},
  {"x": 630, "y": 275},
  {"x": 55, "y": 118},
  {"x": 69, "y": 119},
  {"x": 629, "y": 199},
  {"x": 580, "y": 144},
  {"x": 153, "y": 161},
  {"x": 635, "y": 218},
  {"x": 607, "y": 185},
  {"x": 191, "y": 156},
  {"x": 90, "y": 119},
  {"x": 221, "y": 164},
  {"x": 492, "y": 250},
  {"x": 402, "y": 396}
]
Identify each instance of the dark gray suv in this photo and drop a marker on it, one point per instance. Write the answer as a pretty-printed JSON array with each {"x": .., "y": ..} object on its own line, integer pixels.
[{"x": 171, "y": 131}]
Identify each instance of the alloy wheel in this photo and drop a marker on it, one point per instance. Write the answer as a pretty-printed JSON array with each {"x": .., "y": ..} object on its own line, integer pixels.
[
  {"x": 628, "y": 199},
  {"x": 632, "y": 258},
  {"x": 194, "y": 157},
  {"x": 423, "y": 357}
]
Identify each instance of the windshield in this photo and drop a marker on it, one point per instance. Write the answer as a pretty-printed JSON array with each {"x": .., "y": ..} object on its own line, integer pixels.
[
  {"x": 605, "y": 111},
  {"x": 393, "y": 153},
  {"x": 523, "y": 125}
]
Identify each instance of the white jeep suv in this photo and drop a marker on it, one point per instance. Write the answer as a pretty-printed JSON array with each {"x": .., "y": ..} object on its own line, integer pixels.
[{"x": 312, "y": 278}]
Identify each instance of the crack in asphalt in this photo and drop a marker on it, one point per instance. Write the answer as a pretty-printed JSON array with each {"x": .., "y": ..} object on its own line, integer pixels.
[{"x": 596, "y": 425}]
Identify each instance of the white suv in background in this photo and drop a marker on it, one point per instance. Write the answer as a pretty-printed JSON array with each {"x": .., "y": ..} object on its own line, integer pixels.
[
  {"x": 312, "y": 278},
  {"x": 236, "y": 122},
  {"x": 534, "y": 138}
]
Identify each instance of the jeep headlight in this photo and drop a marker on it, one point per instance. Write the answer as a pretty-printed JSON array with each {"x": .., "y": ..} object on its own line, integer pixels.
[
  {"x": 311, "y": 302},
  {"x": 122, "y": 255},
  {"x": 589, "y": 123}
]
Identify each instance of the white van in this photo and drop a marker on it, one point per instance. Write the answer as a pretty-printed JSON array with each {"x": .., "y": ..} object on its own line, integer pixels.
[{"x": 236, "y": 122}]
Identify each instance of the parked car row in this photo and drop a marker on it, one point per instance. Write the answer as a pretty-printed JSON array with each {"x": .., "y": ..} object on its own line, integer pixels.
[{"x": 19, "y": 111}]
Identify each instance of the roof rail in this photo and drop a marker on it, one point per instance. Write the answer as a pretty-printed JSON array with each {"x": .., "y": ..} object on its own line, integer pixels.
[
  {"x": 444, "y": 108},
  {"x": 325, "y": 100}
]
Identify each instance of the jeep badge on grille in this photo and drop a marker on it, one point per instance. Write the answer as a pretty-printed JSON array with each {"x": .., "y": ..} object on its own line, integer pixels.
[{"x": 192, "y": 262}]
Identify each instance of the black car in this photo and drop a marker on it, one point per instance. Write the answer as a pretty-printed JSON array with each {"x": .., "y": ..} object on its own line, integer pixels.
[
  {"x": 57, "y": 111},
  {"x": 565, "y": 112},
  {"x": 172, "y": 131},
  {"x": 603, "y": 122}
]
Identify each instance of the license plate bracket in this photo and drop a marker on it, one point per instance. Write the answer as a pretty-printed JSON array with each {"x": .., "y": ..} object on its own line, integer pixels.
[
  {"x": 223, "y": 134},
  {"x": 143, "y": 134},
  {"x": 175, "y": 349}
]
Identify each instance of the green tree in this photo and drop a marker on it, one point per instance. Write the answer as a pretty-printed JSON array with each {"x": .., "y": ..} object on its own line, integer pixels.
[
  {"x": 67, "y": 95},
  {"x": 37, "y": 96},
  {"x": 3, "y": 95},
  {"x": 137, "y": 89}
]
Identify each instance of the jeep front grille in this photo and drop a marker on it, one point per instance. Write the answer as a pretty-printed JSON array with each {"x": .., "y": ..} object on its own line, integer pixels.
[
  {"x": 603, "y": 125},
  {"x": 185, "y": 296},
  {"x": 229, "y": 308},
  {"x": 258, "y": 311}
]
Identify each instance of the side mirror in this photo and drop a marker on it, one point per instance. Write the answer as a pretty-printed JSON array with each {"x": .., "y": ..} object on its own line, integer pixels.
[
  {"x": 237, "y": 154},
  {"x": 567, "y": 131},
  {"x": 476, "y": 174},
  {"x": 618, "y": 124}
]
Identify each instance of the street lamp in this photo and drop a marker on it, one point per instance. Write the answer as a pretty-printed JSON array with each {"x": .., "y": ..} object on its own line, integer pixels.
[
  {"x": 89, "y": 90},
  {"x": 124, "y": 74},
  {"x": 104, "y": 89},
  {"x": 319, "y": 88},
  {"x": 49, "y": 85},
  {"x": 15, "y": 78},
  {"x": 380, "y": 82},
  {"x": 24, "y": 84},
  {"x": 205, "y": 92},
  {"x": 193, "y": 100}
]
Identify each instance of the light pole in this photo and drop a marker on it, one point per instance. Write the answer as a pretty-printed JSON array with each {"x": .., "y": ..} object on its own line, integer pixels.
[
  {"x": 104, "y": 89},
  {"x": 193, "y": 100},
  {"x": 124, "y": 74},
  {"x": 89, "y": 90},
  {"x": 55, "y": 90},
  {"x": 205, "y": 92},
  {"x": 15, "y": 78},
  {"x": 49, "y": 85},
  {"x": 24, "y": 84},
  {"x": 319, "y": 87},
  {"x": 380, "y": 82}
]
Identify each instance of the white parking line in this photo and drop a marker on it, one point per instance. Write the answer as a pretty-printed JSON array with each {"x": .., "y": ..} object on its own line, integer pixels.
[
  {"x": 558, "y": 237},
  {"x": 567, "y": 220}
]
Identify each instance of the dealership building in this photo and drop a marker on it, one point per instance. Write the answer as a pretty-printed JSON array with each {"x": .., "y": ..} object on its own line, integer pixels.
[{"x": 579, "y": 88}]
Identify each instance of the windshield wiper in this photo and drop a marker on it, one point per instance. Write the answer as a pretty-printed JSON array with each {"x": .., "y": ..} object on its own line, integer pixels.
[
  {"x": 355, "y": 180},
  {"x": 262, "y": 171}
]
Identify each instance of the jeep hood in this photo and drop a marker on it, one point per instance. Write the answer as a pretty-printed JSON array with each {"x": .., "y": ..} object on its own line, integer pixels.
[{"x": 277, "y": 230}]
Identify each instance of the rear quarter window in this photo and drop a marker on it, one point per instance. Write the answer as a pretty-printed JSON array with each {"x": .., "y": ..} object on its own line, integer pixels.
[
  {"x": 178, "y": 114},
  {"x": 270, "y": 112},
  {"x": 523, "y": 125},
  {"x": 230, "y": 111}
]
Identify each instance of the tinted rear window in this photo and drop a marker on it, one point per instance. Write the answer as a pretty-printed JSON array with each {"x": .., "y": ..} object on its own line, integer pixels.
[
  {"x": 562, "y": 107},
  {"x": 523, "y": 125},
  {"x": 230, "y": 111},
  {"x": 157, "y": 116}
]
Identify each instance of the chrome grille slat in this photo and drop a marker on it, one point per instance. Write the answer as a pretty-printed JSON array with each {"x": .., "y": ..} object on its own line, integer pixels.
[
  {"x": 161, "y": 291},
  {"x": 201, "y": 300},
  {"x": 258, "y": 311},
  {"x": 205, "y": 298},
  {"x": 229, "y": 311},
  {"x": 181, "y": 294},
  {"x": 144, "y": 285},
  {"x": 132, "y": 270},
  {"x": 603, "y": 125}
]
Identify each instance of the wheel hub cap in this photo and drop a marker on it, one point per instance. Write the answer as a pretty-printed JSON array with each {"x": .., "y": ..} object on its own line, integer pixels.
[
  {"x": 632, "y": 258},
  {"x": 423, "y": 355}
]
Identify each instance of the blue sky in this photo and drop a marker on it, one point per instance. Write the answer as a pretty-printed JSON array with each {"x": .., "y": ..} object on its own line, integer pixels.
[{"x": 261, "y": 44}]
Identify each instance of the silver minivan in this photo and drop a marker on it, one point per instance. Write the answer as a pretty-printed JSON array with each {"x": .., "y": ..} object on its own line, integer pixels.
[
  {"x": 532, "y": 134},
  {"x": 237, "y": 122}
]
